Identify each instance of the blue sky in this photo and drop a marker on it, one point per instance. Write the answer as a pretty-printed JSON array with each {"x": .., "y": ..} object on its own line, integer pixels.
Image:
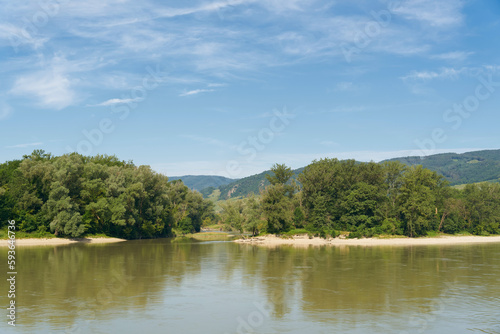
[{"x": 230, "y": 87}]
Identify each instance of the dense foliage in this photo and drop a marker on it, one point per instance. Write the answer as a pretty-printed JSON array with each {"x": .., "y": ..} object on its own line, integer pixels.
[
  {"x": 366, "y": 199},
  {"x": 73, "y": 195}
]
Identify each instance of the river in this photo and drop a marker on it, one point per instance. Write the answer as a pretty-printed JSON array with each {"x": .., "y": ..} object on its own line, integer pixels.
[{"x": 183, "y": 286}]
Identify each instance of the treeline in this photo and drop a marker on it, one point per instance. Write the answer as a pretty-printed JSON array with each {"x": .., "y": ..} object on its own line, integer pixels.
[
  {"x": 365, "y": 199},
  {"x": 74, "y": 195}
]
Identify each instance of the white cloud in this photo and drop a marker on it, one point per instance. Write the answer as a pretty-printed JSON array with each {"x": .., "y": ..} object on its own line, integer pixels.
[
  {"x": 451, "y": 73},
  {"x": 444, "y": 73},
  {"x": 52, "y": 90},
  {"x": 196, "y": 91},
  {"x": 442, "y": 13},
  {"x": 55, "y": 85},
  {"x": 208, "y": 7},
  {"x": 25, "y": 145},
  {"x": 111, "y": 102},
  {"x": 216, "y": 85}
]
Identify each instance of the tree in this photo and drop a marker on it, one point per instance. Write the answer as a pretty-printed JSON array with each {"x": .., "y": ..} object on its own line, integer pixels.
[
  {"x": 63, "y": 213},
  {"x": 282, "y": 174},
  {"x": 417, "y": 200},
  {"x": 277, "y": 208},
  {"x": 74, "y": 195},
  {"x": 252, "y": 212}
]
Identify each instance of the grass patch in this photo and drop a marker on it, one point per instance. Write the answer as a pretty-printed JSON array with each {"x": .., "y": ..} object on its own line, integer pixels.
[
  {"x": 217, "y": 227},
  {"x": 391, "y": 236},
  {"x": 463, "y": 234},
  {"x": 25, "y": 235},
  {"x": 296, "y": 231},
  {"x": 211, "y": 236},
  {"x": 97, "y": 235},
  {"x": 433, "y": 234}
]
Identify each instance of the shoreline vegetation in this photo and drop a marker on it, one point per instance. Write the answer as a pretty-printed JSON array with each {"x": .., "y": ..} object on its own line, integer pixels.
[
  {"x": 306, "y": 241},
  {"x": 76, "y": 196}
]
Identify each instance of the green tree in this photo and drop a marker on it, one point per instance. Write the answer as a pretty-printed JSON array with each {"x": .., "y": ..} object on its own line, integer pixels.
[
  {"x": 281, "y": 174},
  {"x": 417, "y": 200},
  {"x": 252, "y": 212},
  {"x": 277, "y": 208}
]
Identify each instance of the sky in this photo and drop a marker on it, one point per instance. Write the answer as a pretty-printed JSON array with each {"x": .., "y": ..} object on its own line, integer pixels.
[{"x": 230, "y": 87}]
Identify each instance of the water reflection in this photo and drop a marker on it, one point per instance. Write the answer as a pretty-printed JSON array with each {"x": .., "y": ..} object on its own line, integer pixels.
[{"x": 375, "y": 288}]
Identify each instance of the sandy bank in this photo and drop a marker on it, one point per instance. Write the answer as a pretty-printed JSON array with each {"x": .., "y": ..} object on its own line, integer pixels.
[
  {"x": 59, "y": 241},
  {"x": 300, "y": 241}
]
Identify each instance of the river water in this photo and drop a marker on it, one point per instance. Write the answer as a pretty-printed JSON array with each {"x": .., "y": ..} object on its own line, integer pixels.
[{"x": 183, "y": 286}]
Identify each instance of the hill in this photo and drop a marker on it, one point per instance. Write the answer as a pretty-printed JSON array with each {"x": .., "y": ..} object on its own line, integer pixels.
[
  {"x": 470, "y": 167},
  {"x": 200, "y": 182},
  {"x": 247, "y": 185}
]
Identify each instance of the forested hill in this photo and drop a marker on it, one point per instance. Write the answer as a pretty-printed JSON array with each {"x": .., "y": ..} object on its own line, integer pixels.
[
  {"x": 470, "y": 167},
  {"x": 252, "y": 184},
  {"x": 200, "y": 182}
]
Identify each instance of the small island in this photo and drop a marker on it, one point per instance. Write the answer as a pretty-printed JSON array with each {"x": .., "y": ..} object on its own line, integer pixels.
[{"x": 81, "y": 199}]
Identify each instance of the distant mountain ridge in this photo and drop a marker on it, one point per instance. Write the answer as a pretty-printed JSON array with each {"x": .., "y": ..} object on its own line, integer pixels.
[
  {"x": 200, "y": 182},
  {"x": 251, "y": 184},
  {"x": 470, "y": 167}
]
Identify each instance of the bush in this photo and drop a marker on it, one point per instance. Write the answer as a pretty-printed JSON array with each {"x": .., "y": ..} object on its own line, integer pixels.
[
  {"x": 391, "y": 226},
  {"x": 296, "y": 231},
  {"x": 332, "y": 233},
  {"x": 432, "y": 233},
  {"x": 355, "y": 235},
  {"x": 186, "y": 225}
]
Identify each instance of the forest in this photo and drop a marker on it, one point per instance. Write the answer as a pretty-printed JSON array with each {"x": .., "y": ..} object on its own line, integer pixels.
[
  {"x": 74, "y": 195},
  {"x": 331, "y": 197}
]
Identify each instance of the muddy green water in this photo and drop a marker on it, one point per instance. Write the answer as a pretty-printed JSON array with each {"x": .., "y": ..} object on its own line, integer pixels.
[{"x": 162, "y": 286}]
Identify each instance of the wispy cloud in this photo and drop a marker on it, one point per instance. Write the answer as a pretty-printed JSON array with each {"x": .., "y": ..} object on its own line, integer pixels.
[
  {"x": 444, "y": 73},
  {"x": 196, "y": 91},
  {"x": 111, "y": 102},
  {"x": 5, "y": 110},
  {"x": 216, "y": 85},
  {"x": 455, "y": 55},
  {"x": 443, "y": 13},
  {"x": 450, "y": 73},
  {"x": 118, "y": 33},
  {"x": 54, "y": 86},
  {"x": 25, "y": 145},
  {"x": 208, "y": 7},
  {"x": 15, "y": 37}
]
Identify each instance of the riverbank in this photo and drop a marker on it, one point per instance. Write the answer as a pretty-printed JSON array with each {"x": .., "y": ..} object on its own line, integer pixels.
[
  {"x": 59, "y": 241},
  {"x": 304, "y": 241}
]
